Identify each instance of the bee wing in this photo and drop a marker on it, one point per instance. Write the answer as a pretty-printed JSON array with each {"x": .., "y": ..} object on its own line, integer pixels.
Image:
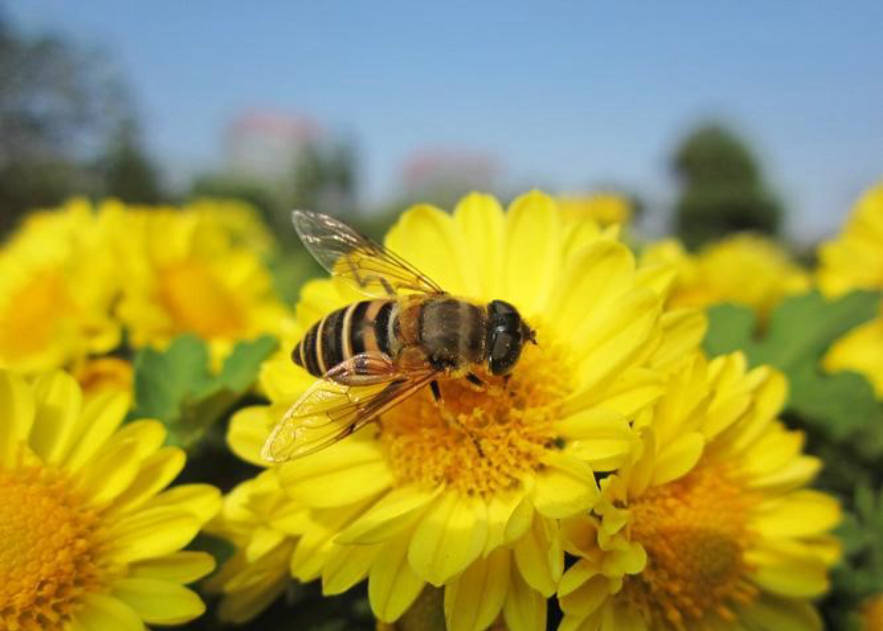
[
  {"x": 346, "y": 253},
  {"x": 330, "y": 410}
]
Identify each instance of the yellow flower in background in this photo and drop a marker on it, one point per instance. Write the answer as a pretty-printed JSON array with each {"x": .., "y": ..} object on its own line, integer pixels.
[
  {"x": 237, "y": 223},
  {"x": 264, "y": 524},
  {"x": 854, "y": 260},
  {"x": 861, "y": 351},
  {"x": 188, "y": 271},
  {"x": 710, "y": 526},
  {"x": 57, "y": 287},
  {"x": 604, "y": 208},
  {"x": 411, "y": 501},
  {"x": 744, "y": 269},
  {"x": 91, "y": 540}
]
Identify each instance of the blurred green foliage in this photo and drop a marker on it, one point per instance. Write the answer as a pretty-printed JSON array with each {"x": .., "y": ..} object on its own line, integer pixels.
[
  {"x": 177, "y": 386},
  {"x": 722, "y": 190}
]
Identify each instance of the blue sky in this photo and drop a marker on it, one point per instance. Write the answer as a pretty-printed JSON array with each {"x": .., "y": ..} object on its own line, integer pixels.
[{"x": 566, "y": 94}]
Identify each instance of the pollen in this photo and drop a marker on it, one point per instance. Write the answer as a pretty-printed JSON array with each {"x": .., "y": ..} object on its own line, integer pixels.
[
  {"x": 49, "y": 551},
  {"x": 479, "y": 439},
  {"x": 695, "y": 533},
  {"x": 198, "y": 301}
]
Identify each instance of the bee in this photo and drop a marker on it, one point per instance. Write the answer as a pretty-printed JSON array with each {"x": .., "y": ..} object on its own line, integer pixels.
[{"x": 373, "y": 354}]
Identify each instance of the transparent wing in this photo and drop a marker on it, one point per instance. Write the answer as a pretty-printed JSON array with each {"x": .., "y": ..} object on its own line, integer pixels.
[
  {"x": 346, "y": 253},
  {"x": 330, "y": 410}
]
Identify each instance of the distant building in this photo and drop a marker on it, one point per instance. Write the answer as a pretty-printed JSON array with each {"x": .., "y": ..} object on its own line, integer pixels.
[
  {"x": 266, "y": 145},
  {"x": 437, "y": 174}
]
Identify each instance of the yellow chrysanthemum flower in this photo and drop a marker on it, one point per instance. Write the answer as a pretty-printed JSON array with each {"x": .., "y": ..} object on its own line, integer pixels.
[
  {"x": 604, "y": 208},
  {"x": 57, "y": 286},
  {"x": 188, "y": 271},
  {"x": 91, "y": 541},
  {"x": 854, "y": 260},
  {"x": 745, "y": 269},
  {"x": 264, "y": 525},
  {"x": 410, "y": 501},
  {"x": 709, "y": 527}
]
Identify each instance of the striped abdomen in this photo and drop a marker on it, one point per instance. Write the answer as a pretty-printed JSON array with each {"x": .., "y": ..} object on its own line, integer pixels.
[{"x": 360, "y": 327}]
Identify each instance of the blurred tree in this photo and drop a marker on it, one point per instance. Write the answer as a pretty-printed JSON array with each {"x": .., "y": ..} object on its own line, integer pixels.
[
  {"x": 722, "y": 190},
  {"x": 325, "y": 178},
  {"x": 58, "y": 103},
  {"x": 126, "y": 171}
]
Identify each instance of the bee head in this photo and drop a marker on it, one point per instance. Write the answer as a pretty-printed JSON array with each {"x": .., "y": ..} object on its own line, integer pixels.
[{"x": 507, "y": 333}]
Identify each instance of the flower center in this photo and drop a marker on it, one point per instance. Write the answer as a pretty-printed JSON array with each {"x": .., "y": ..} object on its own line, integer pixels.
[
  {"x": 48, "y": 556},
  {"x": 199, "y": 302},
  {"x": 479, "y": 440},
  {"x": 33, "y": 315},
  {"x": 695, "y": 533}
]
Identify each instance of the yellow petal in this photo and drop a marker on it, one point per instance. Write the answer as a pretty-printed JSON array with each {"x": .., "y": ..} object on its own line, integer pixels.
[
  {"x": 99, "y": 612},
  {"x": 481, "y": 221},
  {"x": 154, "y": 474},
  {"x": 525, "y": 608},
  {"x": 448, "y": 537},
  {"x": 565, "y": 487},
  {"x": 346, "y": 566},
  {"x": 157, "y": 601},
  {"x": 102, "y": 415},
  {"x": 798, "y": 514},
  {"x": 345, "y": 473},
  {"x": 631, "y": 392},
  {"x": 683, "y": 332},
  {"x": 180, "y": 567},
  {"x": 500, "y": 509},
  {"x": 539, "y": 556},
  {"x": 249, "y": 429},
  {"x": 678, "y": 458},
  {"x": 17, "y": 405},
  {"x": 786, "y": 575},
  {"x": 799, "y": 472},
  {"x": 615, "y": 336},
  {"x": 109, "y": 474},
  {"x": 151, "y": 533},
  {"x": 585, "y": 597},
  {"x": 55, "y": 422},
  {"x": 203, "y": 501},
  {"x": 475, "y": 598},
  {"x": 392, "y": 584},
  {"x": 427, "y": 238},
  {"x": 316, "y": 545},
  {"x": 592, "y": 280},
  {"x": 533, "y": 255},
  {"x": 263, "y": 540},
  {"x": 392, "y": 513}
]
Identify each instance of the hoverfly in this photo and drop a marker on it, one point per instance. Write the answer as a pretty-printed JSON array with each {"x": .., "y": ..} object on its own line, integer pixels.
[{"x": 374, "y": 354}]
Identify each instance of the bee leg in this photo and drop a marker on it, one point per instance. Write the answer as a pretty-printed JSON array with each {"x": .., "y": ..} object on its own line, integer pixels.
[
  {"x": 476, "y": 381},
  {"x": 451, "y": 419}
]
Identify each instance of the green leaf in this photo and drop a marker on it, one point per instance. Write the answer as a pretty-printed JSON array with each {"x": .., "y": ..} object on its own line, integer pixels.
[
  {"x": 177, "y": 387},
  {"x": 841, "y": 405},
  {"x": 163, "y": 379}
]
